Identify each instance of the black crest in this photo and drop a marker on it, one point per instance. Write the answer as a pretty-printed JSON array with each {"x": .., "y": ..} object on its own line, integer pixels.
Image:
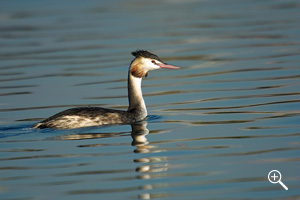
[{"x": 145, "y": 54}]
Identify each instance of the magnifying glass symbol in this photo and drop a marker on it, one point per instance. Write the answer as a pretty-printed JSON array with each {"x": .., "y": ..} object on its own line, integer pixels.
[{"x": 274, "y": 177}]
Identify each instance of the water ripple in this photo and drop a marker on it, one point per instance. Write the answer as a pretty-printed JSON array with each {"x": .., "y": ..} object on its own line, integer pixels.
[{"x": 232, "y": 107}]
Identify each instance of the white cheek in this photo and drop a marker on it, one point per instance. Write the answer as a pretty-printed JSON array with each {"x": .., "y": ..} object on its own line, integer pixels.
[
  {"x": 150, "y": 66},
  {"x": 155, "y": 67}
]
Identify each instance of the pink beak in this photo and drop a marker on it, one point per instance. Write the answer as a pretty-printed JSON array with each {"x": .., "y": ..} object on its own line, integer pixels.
[{"x": 163, "y": 65}]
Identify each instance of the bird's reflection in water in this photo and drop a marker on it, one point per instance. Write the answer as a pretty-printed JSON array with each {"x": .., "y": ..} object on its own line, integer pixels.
[
  {"x": 138, "y": 134},
  {"x": 149, "y": 165}
]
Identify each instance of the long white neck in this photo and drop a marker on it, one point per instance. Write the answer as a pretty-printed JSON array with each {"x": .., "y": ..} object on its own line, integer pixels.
[{"x": 135, "y": 96}]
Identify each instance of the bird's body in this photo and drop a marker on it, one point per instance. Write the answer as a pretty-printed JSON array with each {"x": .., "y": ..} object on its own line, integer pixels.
[
  {"x": 97, "y": 116},
  {"x": 84, "y": 117}
]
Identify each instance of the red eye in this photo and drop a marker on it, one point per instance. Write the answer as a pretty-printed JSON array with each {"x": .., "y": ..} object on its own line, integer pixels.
[{"x": 153, "y": 62}]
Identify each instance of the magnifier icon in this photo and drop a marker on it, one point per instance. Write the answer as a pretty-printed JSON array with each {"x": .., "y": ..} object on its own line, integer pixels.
[{"x": 274, "y": 177}]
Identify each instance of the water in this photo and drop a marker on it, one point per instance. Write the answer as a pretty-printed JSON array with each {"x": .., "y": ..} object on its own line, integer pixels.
[{"x": 216, "y": 127}]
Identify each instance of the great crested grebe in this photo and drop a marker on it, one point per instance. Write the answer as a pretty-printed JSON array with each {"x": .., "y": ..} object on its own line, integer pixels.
[{"x": 143, "y": 62}]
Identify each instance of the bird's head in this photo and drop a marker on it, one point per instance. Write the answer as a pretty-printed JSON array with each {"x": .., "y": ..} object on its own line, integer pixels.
[{"x": 145, "y": 61}]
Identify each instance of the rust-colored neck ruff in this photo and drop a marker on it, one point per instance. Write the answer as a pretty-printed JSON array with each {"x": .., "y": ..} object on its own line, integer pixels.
[{"x": 138, "y": 71}]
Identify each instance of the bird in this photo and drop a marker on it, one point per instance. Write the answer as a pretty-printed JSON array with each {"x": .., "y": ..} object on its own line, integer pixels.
[{"x": 80, "y": 117}]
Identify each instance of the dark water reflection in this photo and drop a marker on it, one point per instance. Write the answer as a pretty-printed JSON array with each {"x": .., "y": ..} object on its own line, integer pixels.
[{"x": 216, "y": 127}]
